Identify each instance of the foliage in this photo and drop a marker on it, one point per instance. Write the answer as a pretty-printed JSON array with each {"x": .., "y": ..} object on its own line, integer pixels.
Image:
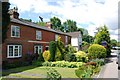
[
  {"x": 99, "y": 62},
  {"x": 5, "y": 19},
  {"x": 86, "y": 71},
  {"x": 63, "y": 64},
  {"x": 52, "y": 48},
  {"x": 84, "y": 43},
  {"x": 29, "y": 57},
  {"x": 61, "y": 47},
  {"x": 46, "y": 55},
  {"x": 70, "y": 26},
  {"x": 81, "y": 56},
  {"x": 15, "y": 64},
  {"x": 70, "y": 57},
  {"x": 96, "y": 51},
  {"x": 40, "y": 58},
  {"x": 113, "y": 42},
  {"x": 103, "y": 35},
  {"x": 70, "y": 49},
  {"x": 58, "y": 55},
  {"x": 29, "y": 20},
  {"x": 52, "y": 74},
  {"x": 56, "y": 23},
  {"x": 41, "y": 23},
  {"x": 87, "y": 38}
]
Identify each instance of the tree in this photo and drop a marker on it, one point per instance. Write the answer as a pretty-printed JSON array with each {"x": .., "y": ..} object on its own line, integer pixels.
[
  {"x": 5, "y": 19},
  {"x": 29, "y": 20},
  {"x": 103, "y": 35},
  {"x": 70, "y": 26},
  {"x": 41, "y": 24},
  {"x": 56, "y": 23},
  {"x": 88, "y": 38},
  {"x": 113, "y": 43}
]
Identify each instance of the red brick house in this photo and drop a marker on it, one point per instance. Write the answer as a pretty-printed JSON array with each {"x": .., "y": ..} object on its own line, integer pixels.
[{"x": 26, "y": 37}]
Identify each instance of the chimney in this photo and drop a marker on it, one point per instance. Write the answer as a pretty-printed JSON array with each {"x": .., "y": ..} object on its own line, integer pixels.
[
  {"x": 14, "y": 13},
  {"x": 48, "y": 25}
]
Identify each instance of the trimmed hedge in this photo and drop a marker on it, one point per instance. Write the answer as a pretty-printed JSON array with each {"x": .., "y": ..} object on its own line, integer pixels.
[
  {"x": 63, "y": 64},
  {"x": 96, "y": 51}
]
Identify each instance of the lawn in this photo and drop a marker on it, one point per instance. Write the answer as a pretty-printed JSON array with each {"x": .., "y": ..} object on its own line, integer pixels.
[{"x": 38, "y": 72}]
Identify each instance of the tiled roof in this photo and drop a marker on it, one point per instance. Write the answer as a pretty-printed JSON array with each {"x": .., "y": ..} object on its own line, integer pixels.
[
  {"x": 74, "y": 34},
  {"x": 31, "y": 24}
]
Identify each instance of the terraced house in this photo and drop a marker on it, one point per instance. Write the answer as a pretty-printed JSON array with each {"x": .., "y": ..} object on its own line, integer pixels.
[{"x": 26, "y": 37}]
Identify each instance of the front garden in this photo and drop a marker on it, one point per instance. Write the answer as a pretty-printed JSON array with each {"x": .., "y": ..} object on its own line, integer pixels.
[{"x": 61, "y": 62}]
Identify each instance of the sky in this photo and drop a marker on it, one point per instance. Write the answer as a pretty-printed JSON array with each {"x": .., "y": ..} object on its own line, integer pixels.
[{"x": 88, "y": 14}]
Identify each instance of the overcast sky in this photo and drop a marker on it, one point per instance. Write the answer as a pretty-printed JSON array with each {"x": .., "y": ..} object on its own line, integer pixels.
[{"x": 88, "y": 14}]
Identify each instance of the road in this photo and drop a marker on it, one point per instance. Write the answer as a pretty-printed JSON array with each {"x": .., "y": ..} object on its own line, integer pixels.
[{"x": 110, "y": 70}]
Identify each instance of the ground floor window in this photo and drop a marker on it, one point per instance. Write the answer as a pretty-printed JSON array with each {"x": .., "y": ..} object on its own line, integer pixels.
[
  {"x": 38, "y": 49},
  {"x": 14, "y": 51}
]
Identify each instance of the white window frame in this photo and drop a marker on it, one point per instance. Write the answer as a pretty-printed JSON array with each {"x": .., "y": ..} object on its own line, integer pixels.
[
  {"x": 38, "y": 35},
  {"x": 56, "y": 37},
  {"x": 19, "y": 52},
  {"x": 39, "y": 47},
  {"x": 66, "y": 39},
  {"x": 13, "y": 26}
]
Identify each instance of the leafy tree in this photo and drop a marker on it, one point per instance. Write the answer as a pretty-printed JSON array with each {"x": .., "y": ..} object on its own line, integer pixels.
[
  {"x": 5, "y": 19},
  {"x": 84, "y": 31},
  {"x": 56, "y": 23},
  {"x": 41, "y": 23},
  {"x": 88, "y": 38},
  {"x": 113, "y": 43},
  {"x": 29, "y": 20},
  {"x": 103, "y": 35},
  {"x": 70, "y": 26}
]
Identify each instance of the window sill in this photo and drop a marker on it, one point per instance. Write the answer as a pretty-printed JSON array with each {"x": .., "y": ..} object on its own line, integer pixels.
[{"x": 15, "y": 57}]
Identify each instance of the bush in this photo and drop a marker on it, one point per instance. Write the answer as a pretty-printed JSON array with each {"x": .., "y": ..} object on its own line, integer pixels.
[
  {"x": 96, "y": 51},
  {"x": 70, "y": 57},
  {"x": 52, "y": 74},
  {"x": 46, "y": 55},
  {"x": 70, "y": 49},
  {"x": 63, "y": 64},
  {"x": 52, "y": 48},
  {"x": 81, "y": 56},
  {"x": 58, "y": 55},
  {"x": 61, "y": 47},
  {"x": 99, "y": 62},
  {"x": 40, "y": 58},
  {"x": 6, "y": 65}
]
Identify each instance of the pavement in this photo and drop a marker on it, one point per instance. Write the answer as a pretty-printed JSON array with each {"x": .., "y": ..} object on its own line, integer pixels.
[{"x": 110, "y": 69}]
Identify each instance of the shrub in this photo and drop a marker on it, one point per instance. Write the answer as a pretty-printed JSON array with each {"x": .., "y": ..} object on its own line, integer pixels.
[
  {"x": 52, "y": 74},
  {"x": 70, "y": 57},
  {"x": 96, "y": 51},
  {"x": 52, "y": 48},
  {"x": 99, "y": 62},
  {"x": 81, "y": 56},
  {"x": 46, "y": 55},
  {"x": 58, "y": 55},
  {"x": 63, "y": 64},
  {"x": 70, "y": 49},
  {"x": 61, "y": 47},
  {"x": 40, "y": 58}
]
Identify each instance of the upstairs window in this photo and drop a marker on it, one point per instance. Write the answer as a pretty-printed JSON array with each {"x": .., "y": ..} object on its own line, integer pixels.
[
  {"x": 56, "y": 37},
  {"x": 66, "y": 39},
  {"x": 38, "y": 35},
  {"x": 15, "y": 31}
]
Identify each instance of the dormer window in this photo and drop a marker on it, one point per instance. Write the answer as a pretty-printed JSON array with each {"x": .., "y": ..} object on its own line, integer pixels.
[
  {"x": 38, "y": 35},
  {"x": 15, "y": 31}
]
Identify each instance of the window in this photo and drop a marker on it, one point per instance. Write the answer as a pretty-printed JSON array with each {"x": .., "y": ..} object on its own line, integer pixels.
[
  {"x": 66, "y": 39},
  {"x": 38, "y": 49},
  {"x": 14, "y": 51},
  {"x": 15, "y": 31},
  {"x": 56, "y": 37},
  {"x": 38, "y": 35}
]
